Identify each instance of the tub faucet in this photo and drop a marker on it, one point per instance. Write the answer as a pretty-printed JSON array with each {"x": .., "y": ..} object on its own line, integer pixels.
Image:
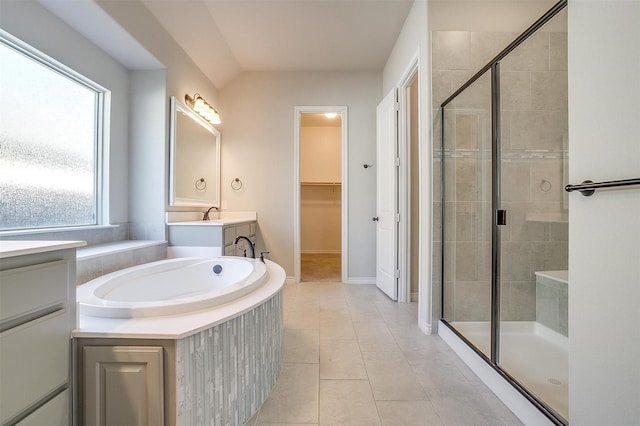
[
  {"x": 206, "y": 214},
  {"x": 251, "y": 249}
]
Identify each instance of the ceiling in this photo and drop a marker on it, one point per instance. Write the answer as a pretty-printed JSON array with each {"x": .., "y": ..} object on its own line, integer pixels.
[{"x": 226, "y": 37}]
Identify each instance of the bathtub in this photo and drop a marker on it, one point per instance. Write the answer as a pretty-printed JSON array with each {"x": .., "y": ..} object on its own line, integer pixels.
[
  {"x": 171, "y": 286},
  {"x": 240, "y": 339}
]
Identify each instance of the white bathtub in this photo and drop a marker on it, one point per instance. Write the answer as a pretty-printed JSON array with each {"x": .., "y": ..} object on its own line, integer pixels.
[{"x": 171, "y": 286}]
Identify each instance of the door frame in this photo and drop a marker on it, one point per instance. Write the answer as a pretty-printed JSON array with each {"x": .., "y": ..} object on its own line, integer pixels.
[
  {"x": 344, "y": 232},
  {"x": 404, "y": 179}
]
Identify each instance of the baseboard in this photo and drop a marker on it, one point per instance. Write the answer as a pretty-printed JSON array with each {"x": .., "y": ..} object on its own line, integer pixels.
[
  {"x": 320, "y": 252},
  {"x": 425, "y": 327},
  {"x": 360, "y": 280}
]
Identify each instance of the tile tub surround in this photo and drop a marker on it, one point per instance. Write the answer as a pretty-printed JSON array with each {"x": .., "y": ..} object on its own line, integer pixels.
[
  {"x": 552, "y": 295},
  {"x": 101, "y": 259},
  {"x": 108, "y": 248},
  {"x": 225, "y": 373}
]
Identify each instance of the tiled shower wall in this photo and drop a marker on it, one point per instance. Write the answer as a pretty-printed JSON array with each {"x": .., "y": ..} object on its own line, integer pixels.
[{"x": 534, "y": 160}]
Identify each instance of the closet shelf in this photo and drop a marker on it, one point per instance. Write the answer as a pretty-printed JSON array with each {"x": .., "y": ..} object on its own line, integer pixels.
[{"x": 320, "y": 183}]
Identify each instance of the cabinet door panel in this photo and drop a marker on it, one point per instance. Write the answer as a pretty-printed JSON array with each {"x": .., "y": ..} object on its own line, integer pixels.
[
  {"x": 229, "y": 235},
  {"x": 243, "y": 229},
  {"x": 123, "y": 385},
  {"x": 230, "y": 251}
]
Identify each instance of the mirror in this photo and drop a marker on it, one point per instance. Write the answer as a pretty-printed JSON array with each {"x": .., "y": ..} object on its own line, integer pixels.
[{"x": 194, "y": 159}]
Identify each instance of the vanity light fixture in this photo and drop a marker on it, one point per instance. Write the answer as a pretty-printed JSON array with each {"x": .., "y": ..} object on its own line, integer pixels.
[
  {"x": 202, "y": 107},
  {"x": 330, "y": 114}
]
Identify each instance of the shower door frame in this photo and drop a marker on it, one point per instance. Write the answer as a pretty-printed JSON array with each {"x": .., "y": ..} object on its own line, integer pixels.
[{"x": 497, "y": 214}]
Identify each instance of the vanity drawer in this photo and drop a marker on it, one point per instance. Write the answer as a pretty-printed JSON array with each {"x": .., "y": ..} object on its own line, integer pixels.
[
  {"x": 34, "y": 361},
  {"x": 53, "y": 413},
  {"x": 31, "y": 288}
]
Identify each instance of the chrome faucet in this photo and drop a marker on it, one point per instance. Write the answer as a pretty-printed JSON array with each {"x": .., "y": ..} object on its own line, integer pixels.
[
  {"x": 251, "y": 249},
  {"x": 206, "y": 214}
]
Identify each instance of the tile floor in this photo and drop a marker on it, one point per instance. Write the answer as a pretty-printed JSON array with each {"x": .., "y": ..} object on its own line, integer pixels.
[{"x": 354, "y": 357}]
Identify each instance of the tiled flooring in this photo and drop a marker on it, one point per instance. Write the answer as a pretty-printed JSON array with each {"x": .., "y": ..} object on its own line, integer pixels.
[{"x": 354, "y": 357}]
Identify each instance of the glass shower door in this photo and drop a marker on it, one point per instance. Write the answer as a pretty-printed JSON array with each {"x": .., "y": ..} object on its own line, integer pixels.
[
  {"x": 534, "y": 245},
  {"x": 466, "y": 213}
]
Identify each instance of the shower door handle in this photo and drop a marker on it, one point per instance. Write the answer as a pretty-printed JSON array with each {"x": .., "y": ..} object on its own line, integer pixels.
[
  {"x": 375, "y": 218},
  {"x": 501, "y": 217}
]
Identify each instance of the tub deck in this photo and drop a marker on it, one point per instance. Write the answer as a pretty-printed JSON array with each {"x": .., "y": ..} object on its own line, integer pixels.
[{"x": 179, "y": 326}]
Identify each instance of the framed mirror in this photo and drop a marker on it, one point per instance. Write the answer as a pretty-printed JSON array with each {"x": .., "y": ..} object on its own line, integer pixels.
[{"x": 194, "y": 159}]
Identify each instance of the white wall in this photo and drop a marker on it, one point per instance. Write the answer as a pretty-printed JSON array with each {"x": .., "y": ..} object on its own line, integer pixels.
[
  {"x": 320, "y": 205},
  {"x": 320, "y": 219},
  {"x": 414, "y": 38},
  {"x": 604, "y": 230},
  {"x": 148, "y": 154},
  {"x": 183, "y": 76},
  {"x": 33, "y": 24},
  {"x": 258, "y": 148},
  {"x": 150, "y": 129},
  {"x": 320, "y": 154}
]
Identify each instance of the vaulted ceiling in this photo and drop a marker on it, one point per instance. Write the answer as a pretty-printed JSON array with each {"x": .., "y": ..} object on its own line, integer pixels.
[{"x": 225, "y": 37}]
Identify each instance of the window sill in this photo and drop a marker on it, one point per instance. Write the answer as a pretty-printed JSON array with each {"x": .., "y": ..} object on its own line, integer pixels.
[
  {"x": 98, "y": 250},
  {"x": 26, "y": 232}
]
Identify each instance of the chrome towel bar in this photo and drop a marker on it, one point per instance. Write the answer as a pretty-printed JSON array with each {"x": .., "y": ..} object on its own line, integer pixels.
[{"x": 587, "y": 188}]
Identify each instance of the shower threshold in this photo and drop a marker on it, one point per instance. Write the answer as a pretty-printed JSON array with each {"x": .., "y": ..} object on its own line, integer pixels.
[{"x": 536, "y": 356}]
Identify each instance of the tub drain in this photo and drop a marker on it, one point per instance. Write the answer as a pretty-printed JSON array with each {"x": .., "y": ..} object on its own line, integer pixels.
[
  {"x": 217, "y": 269},
  {"x": 554, "y": 381}
]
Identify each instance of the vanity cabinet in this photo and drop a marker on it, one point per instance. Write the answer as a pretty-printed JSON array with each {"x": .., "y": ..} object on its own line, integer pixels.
[
  {"x": 221, "y": 235},
  {"x": 232, "y": 231},
  {"x": 37, "y": 314}
]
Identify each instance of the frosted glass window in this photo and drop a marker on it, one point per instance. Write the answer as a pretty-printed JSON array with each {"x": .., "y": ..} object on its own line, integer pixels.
[{"x": 48, "y": 144}]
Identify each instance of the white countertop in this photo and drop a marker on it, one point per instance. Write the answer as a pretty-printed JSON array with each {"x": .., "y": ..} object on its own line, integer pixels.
[
  {"x": 217, "y": 218},
  {"x": 21, "y": 248},
  {"x": 180, "y": 325}
]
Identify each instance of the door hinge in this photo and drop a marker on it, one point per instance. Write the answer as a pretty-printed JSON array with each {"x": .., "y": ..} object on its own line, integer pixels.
[
  {"x": 397, "y": 161},
  {"x": 396, "y": 273},
  {"x": 397, "y": 217}
]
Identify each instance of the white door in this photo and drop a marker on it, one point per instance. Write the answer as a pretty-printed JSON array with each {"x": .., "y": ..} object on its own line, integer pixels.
[{"x": 387, "y": 196}]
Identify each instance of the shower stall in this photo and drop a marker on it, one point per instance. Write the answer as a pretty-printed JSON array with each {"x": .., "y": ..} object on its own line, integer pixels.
[{"x": 503, "y": 211}]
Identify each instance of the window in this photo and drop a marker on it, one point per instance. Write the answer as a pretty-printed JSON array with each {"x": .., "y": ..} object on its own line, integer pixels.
[{"x": 49, "y": 142}]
